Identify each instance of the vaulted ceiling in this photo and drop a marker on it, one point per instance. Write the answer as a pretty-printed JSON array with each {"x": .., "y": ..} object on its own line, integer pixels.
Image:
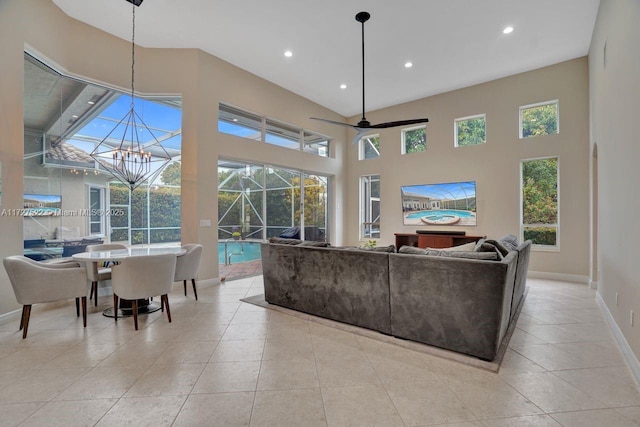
[{"x": 451, "y": 43}]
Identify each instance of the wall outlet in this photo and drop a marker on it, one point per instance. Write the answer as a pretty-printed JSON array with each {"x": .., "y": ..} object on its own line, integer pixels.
[
  {"x": 631, "y": 317},
  {"x": 616, "y": 299}
]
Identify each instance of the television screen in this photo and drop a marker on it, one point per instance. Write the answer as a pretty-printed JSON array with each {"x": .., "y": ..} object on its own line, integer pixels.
[
  {"x": 42, "y": 205},
  {"x": 450, "y": 203}
]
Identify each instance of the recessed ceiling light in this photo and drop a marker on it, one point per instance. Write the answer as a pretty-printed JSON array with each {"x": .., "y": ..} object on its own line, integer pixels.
[
  {"x": 507, "y": 30},
  {"x": 288, "y": 53},
  {"x": 75, "y": 116},
  {"x": 343, "y": 86},
  {"x": 90, "y": 102},
  {"x": 408, "y": 64}
]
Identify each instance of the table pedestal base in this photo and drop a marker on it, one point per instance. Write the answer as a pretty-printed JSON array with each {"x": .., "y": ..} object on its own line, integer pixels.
[{"x": 144, "y": 306}]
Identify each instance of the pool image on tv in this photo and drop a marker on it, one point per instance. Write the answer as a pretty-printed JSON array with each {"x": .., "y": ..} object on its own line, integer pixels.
[
  {"x": 42, "y": 205},
  {"x": 450, "y": 203}
]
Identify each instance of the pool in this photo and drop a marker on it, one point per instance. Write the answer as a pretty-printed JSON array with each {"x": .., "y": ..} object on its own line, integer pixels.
[
  {"x": 439, "y": 213},
  {"x": 240, "y": 251}
]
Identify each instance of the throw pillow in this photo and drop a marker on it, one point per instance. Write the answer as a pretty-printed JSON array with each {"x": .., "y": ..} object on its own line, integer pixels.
[
  {"x": 391, "y": 249},
  {"x": 503, "y": 251},
  {"x": 509, "y": 241},
  {"x": 282, "y": 241},
  {"x": 488, "y": 248},
  {"x": 489, "y": 256},
  {"x": 461, "y": 248},
  {"x": 314, "y": 244},
  {"x": 411, "y": 250}
]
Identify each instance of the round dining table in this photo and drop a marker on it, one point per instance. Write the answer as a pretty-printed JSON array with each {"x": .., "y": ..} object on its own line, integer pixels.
[{"x": 124, "y": 307}]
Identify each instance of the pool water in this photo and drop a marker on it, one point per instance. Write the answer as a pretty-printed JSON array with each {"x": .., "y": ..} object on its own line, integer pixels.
[
  {"x": 240, "y": 251},
  {"x": 441, "y": 212}
]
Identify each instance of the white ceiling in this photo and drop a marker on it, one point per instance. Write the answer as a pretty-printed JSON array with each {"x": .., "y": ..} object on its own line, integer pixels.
[{"x": 452, "y": 43}]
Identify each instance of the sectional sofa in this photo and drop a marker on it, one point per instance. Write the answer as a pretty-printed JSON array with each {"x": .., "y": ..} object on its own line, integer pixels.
[{"x": 458, "y": 302}]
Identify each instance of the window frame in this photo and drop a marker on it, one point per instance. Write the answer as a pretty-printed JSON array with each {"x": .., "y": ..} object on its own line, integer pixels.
[
  {"x": 555, "y": 102},
  {"x": 460, "y": 119},
  {"x": 269, "y": 127},
  {"x": 539, "y": 247},
  {"x": 403, "y": 147},
  {"x": 365, "y": 216},
  {"x": 361, "y": 148}
]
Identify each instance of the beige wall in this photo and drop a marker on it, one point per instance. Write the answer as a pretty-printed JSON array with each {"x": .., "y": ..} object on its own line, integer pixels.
[
  {"x": 202, "y": 80},
  {"x": 494, "y": 165},
  {"x": 615, "y": 95}
]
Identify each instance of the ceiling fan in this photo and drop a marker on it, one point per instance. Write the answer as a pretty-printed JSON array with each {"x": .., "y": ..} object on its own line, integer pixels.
[{"x": 364, "y": 126}]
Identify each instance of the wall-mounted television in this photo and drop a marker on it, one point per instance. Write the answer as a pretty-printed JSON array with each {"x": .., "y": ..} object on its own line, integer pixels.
[
  {"x": 448, "y": 203},
  {"x": 42, "y": 205}
]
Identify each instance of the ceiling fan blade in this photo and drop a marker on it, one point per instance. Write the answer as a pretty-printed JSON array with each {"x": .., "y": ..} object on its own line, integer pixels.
[
  {"x": 333, "y": 122},
  {"x": 398, "y": 123}
]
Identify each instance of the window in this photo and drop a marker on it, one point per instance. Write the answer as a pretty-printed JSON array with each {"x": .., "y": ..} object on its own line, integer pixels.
[
  {"x": 540, "y": 202},
  {"x": 414, "y": 140},
  {"x": 470, "y": 131},
  {"x": 235, "y": 121},
  {"x": 370, "y": 206},
  {"x": 369, "y": 147},
  {"x": 539, "y": 119}
]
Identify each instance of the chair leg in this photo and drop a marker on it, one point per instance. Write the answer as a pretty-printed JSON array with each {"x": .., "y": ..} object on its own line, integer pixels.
[
  {"x": 77, "y": 307},
  {"x": 115, "y": 307},
  {"x": 165, "y": 298},
  {"x": 161, "y": 304},
  {"x": 195, "y": 292},
  {"x": 184, "y": 282},
  {"x": 95, "y": 293},
  {"x": 24, "y": 308},
  {"x": 26, "y": 313},
  {"x": 84, "y": 311},
  {"x": 134, "y": 306},
  {"x": 91, "y": 293}
]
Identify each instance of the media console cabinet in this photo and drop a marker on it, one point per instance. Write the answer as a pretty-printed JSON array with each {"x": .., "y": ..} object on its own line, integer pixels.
[{"x": 433, "y": 240}]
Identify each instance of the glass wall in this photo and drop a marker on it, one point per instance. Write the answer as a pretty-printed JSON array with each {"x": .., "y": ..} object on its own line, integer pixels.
[
  {"x": 78, "y": 201},
  {"x": 261, "y": 201}
]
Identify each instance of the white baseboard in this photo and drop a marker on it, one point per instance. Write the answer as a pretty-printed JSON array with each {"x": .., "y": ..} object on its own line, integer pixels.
[
  {"x": 558, "y": 276},
  {"x": 593, "y": 284},
  {"x": 17, "y": 313},
  {"x": 632, "y": 360}
]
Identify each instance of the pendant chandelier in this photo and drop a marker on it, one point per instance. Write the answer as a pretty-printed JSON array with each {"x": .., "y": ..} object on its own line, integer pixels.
[{"x": 130, "y": 158}]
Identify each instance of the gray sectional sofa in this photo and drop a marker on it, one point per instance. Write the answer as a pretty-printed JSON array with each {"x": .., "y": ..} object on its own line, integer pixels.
[{"x": 456, "y": 303}]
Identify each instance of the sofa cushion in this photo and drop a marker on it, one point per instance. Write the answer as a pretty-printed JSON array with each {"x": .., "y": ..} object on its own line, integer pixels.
[
  {"x": 497, "y": 246},
  {"x": 281, "y": 241},
  {"x": 509, "y": 241}
]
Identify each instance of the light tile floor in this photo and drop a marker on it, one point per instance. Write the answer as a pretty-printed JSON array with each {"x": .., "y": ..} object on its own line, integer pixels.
[{"x": 226, "y": 363}]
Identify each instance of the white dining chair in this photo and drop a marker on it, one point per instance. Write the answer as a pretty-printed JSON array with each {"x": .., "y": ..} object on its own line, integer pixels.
[
  {"x": 96, "y": 271},
  {"x": 140, "y": 277},
  {"x": 187, "y": 266},
  {"x": 36, "y": 282}
]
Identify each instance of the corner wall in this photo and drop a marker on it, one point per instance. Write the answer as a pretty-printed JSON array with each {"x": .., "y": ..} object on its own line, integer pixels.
[
  {"x": 614, "y": 83},
  {"x": 79, "y": 50},
  {"x": 495, "y": 166}
]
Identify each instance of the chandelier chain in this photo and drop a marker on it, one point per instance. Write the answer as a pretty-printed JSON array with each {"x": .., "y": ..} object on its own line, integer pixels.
[{"x": 133, "y": 52}]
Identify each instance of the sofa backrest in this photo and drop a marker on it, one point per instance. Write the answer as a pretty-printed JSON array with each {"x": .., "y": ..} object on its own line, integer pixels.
[
  {"x": 458, "y": 304},
  {"x": 522, "y": 267},
  {"x": 350, "y": 286}
]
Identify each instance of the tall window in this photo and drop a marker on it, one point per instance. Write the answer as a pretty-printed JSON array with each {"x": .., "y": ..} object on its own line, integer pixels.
[
  {"x": 470, "y": 130},
  {"x": 369, "y": 147},
  {"x": 539, "y": 119},
  {"x": 414, "y": 140},
  {"x": 370, "y": 206},
  {"x": 540, "y": 202}
]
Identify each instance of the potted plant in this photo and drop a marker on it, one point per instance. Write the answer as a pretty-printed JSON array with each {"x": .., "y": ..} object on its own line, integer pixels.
[{"x": 235, "y": 233}]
